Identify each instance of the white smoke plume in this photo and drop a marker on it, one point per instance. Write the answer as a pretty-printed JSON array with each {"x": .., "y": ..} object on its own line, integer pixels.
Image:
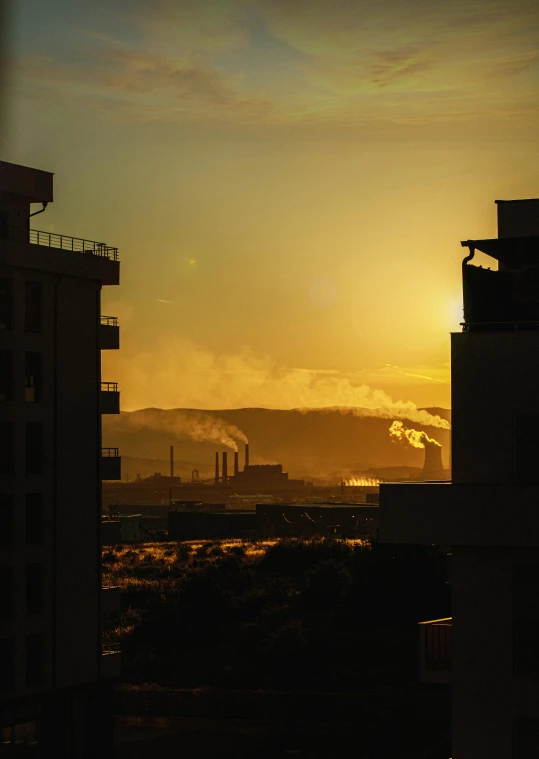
[
  {"x": 415, "y": 438},
  {"x": 362, "y": 481},
  {"x": 400, "y": 409},
  {"x": 196, "y": 425}
]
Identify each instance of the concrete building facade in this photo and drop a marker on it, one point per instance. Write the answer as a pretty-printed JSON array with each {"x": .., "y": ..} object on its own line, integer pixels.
[
  {"x": 55, "y": 674},
  {"x": 487, "y": 515}
]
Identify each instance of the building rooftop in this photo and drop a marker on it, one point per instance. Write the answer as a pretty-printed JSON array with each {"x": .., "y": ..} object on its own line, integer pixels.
[{"x": 32, "y": 184}]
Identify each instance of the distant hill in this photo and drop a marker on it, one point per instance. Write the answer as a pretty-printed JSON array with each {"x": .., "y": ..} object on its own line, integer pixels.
[{"x": 324, "y": 444}]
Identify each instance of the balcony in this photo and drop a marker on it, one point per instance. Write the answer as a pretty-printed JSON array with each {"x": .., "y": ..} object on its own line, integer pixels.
[
  {"x": 109, "y": 333},
  {"x": 435, "y": 650},
  {"x": 111, "y": 599},
  {"x": 110, "y": 398},
  {"x": 72, "y": 256},
  {"x": 111, "y": 660},
  {"x": 111, "y": 464},
  {"x": 111, "y": 530},
  {"x": 74, "y": 244}
]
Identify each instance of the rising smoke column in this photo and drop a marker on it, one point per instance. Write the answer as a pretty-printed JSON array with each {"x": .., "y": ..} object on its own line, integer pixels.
[
  {"x": 415, "y": 438},
  {"x": 196, "y": 425}
]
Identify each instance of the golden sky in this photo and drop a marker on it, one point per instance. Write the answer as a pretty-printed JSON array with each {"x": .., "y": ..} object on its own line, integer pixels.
[{"x": 287, "y": 182}]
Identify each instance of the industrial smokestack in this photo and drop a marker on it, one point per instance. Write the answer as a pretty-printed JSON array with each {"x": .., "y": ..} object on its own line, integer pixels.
[
  {"x": 225, "y": 468},
  {"x": 236, "y": 463},
  {"x": 217, "y": 467},
  {"x": 172, "y": 461},
  {"x": 433, "y": 469},
  {"x": 246, "y": 455}
]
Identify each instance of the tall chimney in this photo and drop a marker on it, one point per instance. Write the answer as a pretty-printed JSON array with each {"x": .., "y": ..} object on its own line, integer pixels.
[
  {"x": 172, "y": 461},
  {"x": 433, "y": 469},
  {"x": 225, "y": 468},
  {"x": 217, "y": 467},
  {"x": 236, "y": 463},
  {"x": 246, "y": 455}
]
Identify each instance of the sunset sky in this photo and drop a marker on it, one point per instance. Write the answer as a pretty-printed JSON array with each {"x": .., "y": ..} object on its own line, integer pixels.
[{"x": 287, "y": 181}]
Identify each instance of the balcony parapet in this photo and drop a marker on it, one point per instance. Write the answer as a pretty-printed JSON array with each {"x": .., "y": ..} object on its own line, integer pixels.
[
  {"x": 435, "y": 650},
  {"x": 75, "y": 244},
  {"x": 109, "y": 333},
  {"x": 110, "y": 659},
  {"x": 111, "y": 464},
  {"x": 110, "y": 398}
]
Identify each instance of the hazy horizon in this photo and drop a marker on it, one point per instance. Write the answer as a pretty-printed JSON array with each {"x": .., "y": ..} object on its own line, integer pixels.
[{"x": 287, "y": 183}]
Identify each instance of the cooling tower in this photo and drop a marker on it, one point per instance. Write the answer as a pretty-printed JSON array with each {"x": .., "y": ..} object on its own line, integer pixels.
[
  {"x": 225, "y": 468},
  {"x": 433, "y": 469}
]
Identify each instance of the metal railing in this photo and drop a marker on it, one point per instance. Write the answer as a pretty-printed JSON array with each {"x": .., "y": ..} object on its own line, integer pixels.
[
  {"x": 109, "y": 321},
  {"x": 437, "y": 643},
  {"x": 110, "y": 517},
  {"x": 110, "y": 453},
  {"x": 75, "y": 244},
  {"x": 110, "y": 648},
  {"x": 109, "y": 387}
]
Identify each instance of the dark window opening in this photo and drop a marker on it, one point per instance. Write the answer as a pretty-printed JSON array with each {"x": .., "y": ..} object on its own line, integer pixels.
[
  {"x": 7, "y": 663},
  {"x": 6, "y": 375},
  {"x": 34, "y": 447},
  {"x": 34, "y": 659},
  {"x": 6, "y": 303},
  {"x": 33, "y": 377},
  {"x": 33, "y": 321},
  {"x": 6, "y": 519},
  {"x": 34, "y": 588},
  {"x": 526, "y": 450},
  {"x": 3, "y": 225},
  {"x": 34, "y": 518},
  {"x": 6, "y": 592},
  {"x": 526, "y": 645},
  {"x": 6, "y": 447}
]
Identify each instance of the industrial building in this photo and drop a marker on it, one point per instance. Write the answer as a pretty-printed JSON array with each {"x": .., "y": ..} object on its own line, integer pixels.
[
  {"x": 487, "y": 515},
  {"x": 253, "y": 477},
  {"x": 345, "y": 520},
  {"x": 55, "y": 673}
]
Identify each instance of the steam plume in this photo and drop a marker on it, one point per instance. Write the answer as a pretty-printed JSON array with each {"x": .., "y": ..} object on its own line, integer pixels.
[
  {"x": 365, "y": 481},
  {"x": 400, "y": 409},
  {"x": 415, "y": 438},
  {"x": 204, "y": 428}
]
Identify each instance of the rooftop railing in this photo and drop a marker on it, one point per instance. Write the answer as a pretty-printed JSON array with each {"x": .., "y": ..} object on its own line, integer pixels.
[
  {"x": 109, "y": 387},
  {"x": 110, "y": 453},
  {"x": 65, "y": 242},
  {"x": 109, "y": 321},
  {"x": 110, "y": 648}
]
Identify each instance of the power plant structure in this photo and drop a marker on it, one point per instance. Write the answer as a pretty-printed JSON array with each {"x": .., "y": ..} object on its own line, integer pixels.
[
  {"x": 433, "y": 468},
  {"x": 253, "y": 476}
]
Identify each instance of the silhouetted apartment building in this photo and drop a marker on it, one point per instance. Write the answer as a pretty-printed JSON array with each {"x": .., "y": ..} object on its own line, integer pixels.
[
  {"x": 55, "y": 674},
  {"x": 488, "y": 515}
]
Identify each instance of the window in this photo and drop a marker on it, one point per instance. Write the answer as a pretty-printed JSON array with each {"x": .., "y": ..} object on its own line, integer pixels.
[
  {"x": 34, "y": 659},
  {"x": 6, "y": 303},
  {"x": 33, "y": 307},
  {"x": 6, "y": 592},
  {"x": 34, "y": 447},
  {"x": 6, "y": 519},
  {"x": 34, "y": 588},
  {"x": 6, "y": 375},
  {"x": 34, "y": 518},
  {"x": 7, "y": 663},
  {"x": 526, "y": 452},
  {"x": 6, "y": 447},
  {"x": 33, "y": 377}
]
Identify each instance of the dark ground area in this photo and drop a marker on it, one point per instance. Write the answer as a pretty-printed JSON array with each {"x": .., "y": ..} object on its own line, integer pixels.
[{"x": 302, "y": 646}]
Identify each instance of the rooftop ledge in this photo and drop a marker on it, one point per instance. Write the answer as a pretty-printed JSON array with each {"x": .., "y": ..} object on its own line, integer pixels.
[
  {"x": 453, "y": 514},
  {"x": 93, "y": 260}
]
